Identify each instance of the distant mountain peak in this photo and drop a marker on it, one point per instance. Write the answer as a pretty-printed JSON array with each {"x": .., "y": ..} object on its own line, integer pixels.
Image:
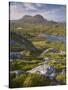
[
  {"x": 33, "y": 19},
  {"x": 38, "y": 16},
  {"x": 26, "y": 16}
]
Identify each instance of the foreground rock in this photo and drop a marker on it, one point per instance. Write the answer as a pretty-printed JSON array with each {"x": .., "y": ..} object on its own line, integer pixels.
[{"x": 45, "y": 70}]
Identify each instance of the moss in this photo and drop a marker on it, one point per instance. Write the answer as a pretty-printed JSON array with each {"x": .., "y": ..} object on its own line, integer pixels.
[
  {"x": 36, "y": 80},
  {"x": 61, "y": 78}
]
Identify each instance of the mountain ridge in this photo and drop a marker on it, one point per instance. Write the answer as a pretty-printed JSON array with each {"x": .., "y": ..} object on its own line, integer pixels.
[{"x": 32, "y": 19}]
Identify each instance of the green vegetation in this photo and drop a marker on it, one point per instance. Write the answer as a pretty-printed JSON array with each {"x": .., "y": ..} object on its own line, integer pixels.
[
  {"x": 17, "y": 81},
  {"x": 61, "y": 78},
  {"x": 35, "y": 29},
  {"x": 47, "y": 44},
  {"x": 58, "y": 61},
  {"x": 36, "y": 80},
  {"x": 31, "y": 48},
  {"x": 24, "y": 64},
  {"x": 29, "y": 80}
]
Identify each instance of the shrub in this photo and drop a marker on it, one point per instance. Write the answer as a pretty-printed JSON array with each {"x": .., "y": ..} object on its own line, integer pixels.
[
  {"x": 18, "y": 81},
  {"x": 61, "y": 78},
  {"x": 36, "y": 80}
]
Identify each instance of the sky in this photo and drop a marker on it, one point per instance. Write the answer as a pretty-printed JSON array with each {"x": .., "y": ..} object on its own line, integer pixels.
[{"x": 48, "y": 11}]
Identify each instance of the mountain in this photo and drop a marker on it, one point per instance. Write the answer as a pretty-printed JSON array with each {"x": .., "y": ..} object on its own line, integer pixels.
[{"x": 31, "y": 19}]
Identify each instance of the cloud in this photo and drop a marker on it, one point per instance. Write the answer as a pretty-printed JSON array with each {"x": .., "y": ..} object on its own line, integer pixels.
[
  {"x": 38, "y": 4},
  {"x": 48, "y": 11},
  {"x": 29, "y": 6}
]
